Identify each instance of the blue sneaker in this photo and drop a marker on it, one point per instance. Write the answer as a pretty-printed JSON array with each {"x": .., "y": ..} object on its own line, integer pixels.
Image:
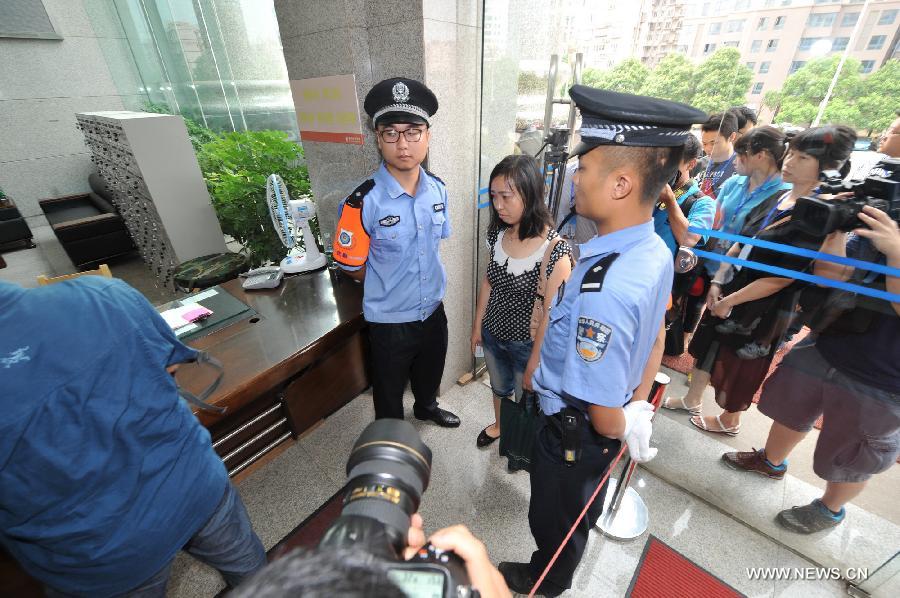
[{"x": 809, "y": 519}]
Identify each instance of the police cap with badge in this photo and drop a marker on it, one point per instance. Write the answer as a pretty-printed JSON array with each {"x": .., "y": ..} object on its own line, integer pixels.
[
  {"x": 400, "y": 100},
  {"x": 626, "y": 120}
]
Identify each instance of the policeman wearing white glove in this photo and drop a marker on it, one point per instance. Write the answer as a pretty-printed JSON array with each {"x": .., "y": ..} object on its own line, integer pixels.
[{"x": 638, "y": 428}]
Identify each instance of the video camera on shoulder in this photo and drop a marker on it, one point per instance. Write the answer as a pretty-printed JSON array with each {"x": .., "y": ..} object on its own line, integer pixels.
[
  {"x": 818, "y": 216},
  {"x": 388, "y": 470}
]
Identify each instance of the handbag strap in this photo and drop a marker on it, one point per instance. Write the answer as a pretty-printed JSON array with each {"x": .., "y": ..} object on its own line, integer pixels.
[
  {"x": 199, "y": 401},
  {"x": 545, "y": 263}
]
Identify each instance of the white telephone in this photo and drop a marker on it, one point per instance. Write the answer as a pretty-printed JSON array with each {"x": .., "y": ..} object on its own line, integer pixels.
[{"x": 267, "y": 277}]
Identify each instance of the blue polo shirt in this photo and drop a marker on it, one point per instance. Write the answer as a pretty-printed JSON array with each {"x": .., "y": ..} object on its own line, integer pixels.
[
  {"x": 405, "y": 279},
  {"x": 735, "y": 202},
  {"x": 597, "y": 343},
  {"x": 702, "y": 215},
  {"x": 104, "y": 471}
]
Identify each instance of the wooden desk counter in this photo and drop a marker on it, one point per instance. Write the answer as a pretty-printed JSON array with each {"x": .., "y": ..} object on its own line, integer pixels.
[{"x": 301, "y": 358}]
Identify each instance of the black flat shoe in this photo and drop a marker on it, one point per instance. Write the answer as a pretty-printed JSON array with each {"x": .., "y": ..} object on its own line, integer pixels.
[
  {"x": 441, "y": 417},
  {"x": 519, "y": 579},
  {"x": 484, "y": 439}
]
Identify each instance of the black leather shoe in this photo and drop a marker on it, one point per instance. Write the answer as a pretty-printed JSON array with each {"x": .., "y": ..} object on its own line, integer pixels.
[
  {"x": 441, "y": 417},
  {"x": 484, "y": 439},
  {"x": 520, "y": 580}
]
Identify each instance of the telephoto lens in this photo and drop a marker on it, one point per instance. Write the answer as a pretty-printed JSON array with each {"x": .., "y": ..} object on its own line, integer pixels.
[{"x": 388, "y": 470}]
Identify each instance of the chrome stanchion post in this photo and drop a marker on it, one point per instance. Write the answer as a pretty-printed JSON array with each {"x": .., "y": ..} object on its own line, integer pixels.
[{"x": 625, "y": 515}]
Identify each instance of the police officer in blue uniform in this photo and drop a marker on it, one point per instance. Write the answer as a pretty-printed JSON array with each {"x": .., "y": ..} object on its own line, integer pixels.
[
  {"x": 388, "y": 234},
  {"x": 603, "y": 343}
]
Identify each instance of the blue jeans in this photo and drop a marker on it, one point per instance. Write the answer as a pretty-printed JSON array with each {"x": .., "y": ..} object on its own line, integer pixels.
[
  {"x": 506, "y": 361},
  {"x": 226, "y": 542}
]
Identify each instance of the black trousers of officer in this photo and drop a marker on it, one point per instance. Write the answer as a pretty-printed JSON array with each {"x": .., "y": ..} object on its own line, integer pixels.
[
  {"x": 413, "y": 352},
  {"x": 558, "y": 495}
]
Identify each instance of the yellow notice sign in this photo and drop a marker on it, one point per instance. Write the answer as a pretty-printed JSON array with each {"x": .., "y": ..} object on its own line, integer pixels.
[{"x": 328, "y": 109}]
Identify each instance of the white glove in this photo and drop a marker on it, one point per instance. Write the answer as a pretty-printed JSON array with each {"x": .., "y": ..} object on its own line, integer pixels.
[{"x": 638, "y": 429}]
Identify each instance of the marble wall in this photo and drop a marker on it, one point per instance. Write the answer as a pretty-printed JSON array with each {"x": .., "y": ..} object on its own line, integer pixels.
[
  {"x": 43, "y": 83},
  {"x": 435, "y": 41}
]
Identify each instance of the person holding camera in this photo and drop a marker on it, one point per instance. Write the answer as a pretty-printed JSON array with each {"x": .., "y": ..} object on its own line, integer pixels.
[
  {"x": 603, "y": 343},
  {"x": 849, "y": 375},
  {"x": 759, "y": 183},
  {"x": 525, "y": 265},
  {"x": 388, "y": 235},
  {"x": 682, "y": 205},
  {"x": 105, "y": 473}
]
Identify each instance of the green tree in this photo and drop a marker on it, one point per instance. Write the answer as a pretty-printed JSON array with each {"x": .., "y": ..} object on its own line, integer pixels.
[
  {"x": 880, "y": 97},
  {"x": 672, "y": 79},
  {"x": 197, "y": 133},
  {"x": 772, "y": 101},
  {"x": 236, "y": 167},
  {"x": 722, "y": 81},
  {"x": 531, "y": 83},
  {"x": 804, "y": 91},
  {"x": 626, "y": 77}
]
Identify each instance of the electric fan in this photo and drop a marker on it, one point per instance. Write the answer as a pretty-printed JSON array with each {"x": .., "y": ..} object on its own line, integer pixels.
[{"x": 291, "y": 220}]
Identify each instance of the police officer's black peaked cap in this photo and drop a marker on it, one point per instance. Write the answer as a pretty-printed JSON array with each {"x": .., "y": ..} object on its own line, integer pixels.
[
  {"x": 400, "y": 100},
  {"x": 623, "y": 119}
]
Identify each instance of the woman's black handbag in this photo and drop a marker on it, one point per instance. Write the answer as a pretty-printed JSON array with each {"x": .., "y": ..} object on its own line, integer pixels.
[{"x": 518, "y": 421}]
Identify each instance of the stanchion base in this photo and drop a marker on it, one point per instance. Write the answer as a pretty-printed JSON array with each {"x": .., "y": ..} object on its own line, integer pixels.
[{"x": 631, "y": 518}]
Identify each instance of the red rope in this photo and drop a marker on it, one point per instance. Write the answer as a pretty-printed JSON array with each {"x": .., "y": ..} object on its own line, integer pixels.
[{"x": 656, "y": 399}]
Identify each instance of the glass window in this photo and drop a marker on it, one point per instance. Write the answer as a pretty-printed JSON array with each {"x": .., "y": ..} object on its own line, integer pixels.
[
  {"x": 751, "y": 65},
  {"x": 756, "y": 45},
  {"x": 757, "y": 89},
  {"x": 840, "y": 44},
  {"x": 761, "y": 25},
  {"x": 796, "y": 66},
  {"x": 806, "y": 43},
  {"x": 876, "y": 43},
  {"x": 888, "y": 17},
  {"x": 715, "y": 28},
  {"x": 822, "y": 19},
  {"x": 730, "y": 44},
  {"x": 734, "y": 26},
  {"x": 708, "y": 48},
  {"x": 866, "y": 66},
  {"x": 849, "y": 19},
  {"x": 779, "y": 22},
  {"x": 772, "y": 45},
  {"x": 764, "y": 67}
]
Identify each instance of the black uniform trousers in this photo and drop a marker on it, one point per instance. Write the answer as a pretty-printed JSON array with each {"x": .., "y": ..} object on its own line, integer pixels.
[
  {"x": 558, "y": 495},
  {"x": 413, "y": 352}
]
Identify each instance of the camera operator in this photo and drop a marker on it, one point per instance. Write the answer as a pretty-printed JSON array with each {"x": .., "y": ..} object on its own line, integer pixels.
[
  {"x": 602, "y": 344},
  {"x": 105, "y": 474},
  {"x": 850, "y": 375},
  {"x": 355, "y": 573}
]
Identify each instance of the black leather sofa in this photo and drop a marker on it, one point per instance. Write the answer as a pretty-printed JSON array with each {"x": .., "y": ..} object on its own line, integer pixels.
[{"x": 88, "y": 226}]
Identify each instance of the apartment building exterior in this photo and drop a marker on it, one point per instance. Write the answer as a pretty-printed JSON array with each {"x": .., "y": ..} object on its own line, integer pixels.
[{"x": 777, "y": 37}]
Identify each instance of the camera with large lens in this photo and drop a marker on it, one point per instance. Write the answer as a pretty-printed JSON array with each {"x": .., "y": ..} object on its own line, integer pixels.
[
  {"x": 387, "y": 471},
  {"x": 880, "y": 190}
]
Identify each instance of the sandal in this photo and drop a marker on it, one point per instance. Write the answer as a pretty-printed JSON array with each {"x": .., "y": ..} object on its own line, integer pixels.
[
  {"x": 678, "y": 404},
  {"x": 699, "y": 422}
]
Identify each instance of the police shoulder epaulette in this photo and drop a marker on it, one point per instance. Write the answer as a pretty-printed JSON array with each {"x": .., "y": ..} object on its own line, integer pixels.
[
  {"x": 593, "y": 278},
  {"x": 355, "y": 198},
  {"x": 436, "y": 177}
]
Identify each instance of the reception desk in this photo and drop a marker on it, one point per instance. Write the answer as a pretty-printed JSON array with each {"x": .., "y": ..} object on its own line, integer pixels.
[{"x": 302, "y": 356}]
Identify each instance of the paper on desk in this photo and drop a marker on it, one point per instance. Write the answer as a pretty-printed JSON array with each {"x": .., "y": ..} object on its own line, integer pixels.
[
  {"x": 179, "y": 317},
  {"x": 185, "y": 329},
  {"x": 204, "y": 295}
]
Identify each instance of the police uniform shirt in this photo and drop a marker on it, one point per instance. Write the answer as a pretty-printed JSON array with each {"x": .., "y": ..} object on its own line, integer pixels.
[
  {"x": 598, "y": 341},
  {"x": 405, "y": 280}
]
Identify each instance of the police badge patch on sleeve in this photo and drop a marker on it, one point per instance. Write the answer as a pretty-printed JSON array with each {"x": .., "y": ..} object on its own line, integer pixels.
[{"x": 592, "y": 339}]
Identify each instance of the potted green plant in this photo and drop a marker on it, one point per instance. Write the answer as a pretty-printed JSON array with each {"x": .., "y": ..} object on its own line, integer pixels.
[{"x": 236, "y": 166}]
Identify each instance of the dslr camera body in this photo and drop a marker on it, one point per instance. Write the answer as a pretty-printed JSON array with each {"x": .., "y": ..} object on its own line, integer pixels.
[
  {"x": 880, "y": 190},
  {"x": 387, "y": 471}
]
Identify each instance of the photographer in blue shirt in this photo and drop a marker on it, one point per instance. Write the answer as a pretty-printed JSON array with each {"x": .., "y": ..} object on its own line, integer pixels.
[{"x": 105, "y": 473}]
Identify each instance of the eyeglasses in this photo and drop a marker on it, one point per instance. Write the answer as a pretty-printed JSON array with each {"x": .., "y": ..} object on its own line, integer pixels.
[{"x": 393, "y": 135}]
